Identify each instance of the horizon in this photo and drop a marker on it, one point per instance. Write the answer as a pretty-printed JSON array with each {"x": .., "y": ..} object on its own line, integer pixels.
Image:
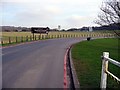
[
  {"x": 38, "y": 13},
  {"x": 46, "y": 26}
]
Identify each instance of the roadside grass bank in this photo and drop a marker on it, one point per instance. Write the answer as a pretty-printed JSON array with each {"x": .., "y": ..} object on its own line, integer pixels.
[{"x": 88, "y": 63}]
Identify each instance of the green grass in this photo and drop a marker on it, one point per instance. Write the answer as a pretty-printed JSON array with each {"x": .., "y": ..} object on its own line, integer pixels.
[{"x": 87, "y": 60}]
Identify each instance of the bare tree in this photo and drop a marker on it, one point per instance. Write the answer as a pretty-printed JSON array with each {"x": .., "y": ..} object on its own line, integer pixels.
[{"x": 110, "y": 13}]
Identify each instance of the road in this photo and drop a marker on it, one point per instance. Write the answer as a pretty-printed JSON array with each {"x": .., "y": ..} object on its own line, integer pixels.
[{"x": 35, "y": 65}]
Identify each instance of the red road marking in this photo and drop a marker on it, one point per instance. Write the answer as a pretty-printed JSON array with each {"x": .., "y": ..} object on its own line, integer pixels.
[{"x": 65, "y": 69}]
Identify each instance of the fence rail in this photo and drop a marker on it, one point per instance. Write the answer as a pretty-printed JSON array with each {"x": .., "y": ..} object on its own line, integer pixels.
[
  {"x": 105, "y": 72},
  {"x": 16, "y": 39}
]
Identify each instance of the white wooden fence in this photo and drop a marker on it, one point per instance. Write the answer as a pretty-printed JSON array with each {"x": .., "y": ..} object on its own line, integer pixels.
[{"x": 105, "y": 72}]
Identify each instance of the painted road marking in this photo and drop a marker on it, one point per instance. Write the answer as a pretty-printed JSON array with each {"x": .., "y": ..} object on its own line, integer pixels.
[{"x": 65, "y": 68}]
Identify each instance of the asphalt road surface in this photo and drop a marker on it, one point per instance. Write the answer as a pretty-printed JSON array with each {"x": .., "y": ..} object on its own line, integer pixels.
[{"x": 35, "y": 65}]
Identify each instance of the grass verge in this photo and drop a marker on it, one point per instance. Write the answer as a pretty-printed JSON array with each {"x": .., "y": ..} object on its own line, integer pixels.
[{"x": 87, "y": 60}]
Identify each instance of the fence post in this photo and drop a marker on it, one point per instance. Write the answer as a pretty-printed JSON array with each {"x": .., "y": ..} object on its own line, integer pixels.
[
  {"x": 21, "y": 39},
  {"x": 104, "y": 69},
  {"x": 9, "y": 40},
  {"x": 51, "y": 36},
  {"x": 43, "y": 37},
  {"x": 30, "y": 38},
  {"x": 16, "y": 39},
  {"x": 26, "y": 38},
  {"x": 48, "y": 36},
  {"x": 35, "y": 37},
  {"x": 74, "y": 35},
  {"x": 57, "y": 36},
  {"x": 39, "y": 37},
  {"x": 62, "y": 35},
  {"x": 2, "y": 42}
]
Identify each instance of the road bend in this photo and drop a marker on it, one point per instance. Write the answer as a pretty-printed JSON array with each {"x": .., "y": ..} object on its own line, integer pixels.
[{"x": 35, "y": 65}]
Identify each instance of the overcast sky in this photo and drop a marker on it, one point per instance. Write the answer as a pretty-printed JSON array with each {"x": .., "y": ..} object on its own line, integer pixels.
[{"x": 51, "y": 13}]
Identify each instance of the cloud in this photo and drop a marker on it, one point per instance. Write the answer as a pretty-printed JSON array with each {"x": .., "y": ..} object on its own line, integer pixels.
[
  {"x": 74, "y": 19},
  {"x": 68, "y": 13},
  {"x": 19, "y": 0},
  {"x": 53, "y": 9},
  {"x": 37, "y": 17},
  {"x": 30, "y": 13},
  {"x": 44, "y": 13},
  {"x": 79, "y": 21}
]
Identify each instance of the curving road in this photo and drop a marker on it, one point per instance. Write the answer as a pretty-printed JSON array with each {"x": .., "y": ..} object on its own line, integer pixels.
[{"x": 35, "y": 65}]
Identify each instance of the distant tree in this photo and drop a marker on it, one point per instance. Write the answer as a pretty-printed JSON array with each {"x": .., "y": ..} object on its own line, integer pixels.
[
  {"x": 63, "y": 30},
  {"x": 72, "y": 29},
  {"x": 110, "y": 14}
]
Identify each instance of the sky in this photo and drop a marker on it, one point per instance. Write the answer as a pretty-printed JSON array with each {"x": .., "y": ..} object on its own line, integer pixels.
[{"x": 49, "y": 13}]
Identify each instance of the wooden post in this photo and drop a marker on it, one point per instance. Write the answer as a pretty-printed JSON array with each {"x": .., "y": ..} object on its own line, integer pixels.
[
  {"x": 30, "y": 38},
  {"x": 2, "y": 42},
  {"x": 33, "y": 36},
  {"x": 69, "y": 35},
  {"x": 60, "y": 36},
  {"x": 21, "y": 39},
  {"x": 42, "y": 36},
  {"x": 77, "y": 35},
  {"x": 47, "y": 36},
  {"x": 16, "y": 39},
  {"x": 104, "y": 35},
  {"x": 104, "y": 69},
  {"x": 9, "y": 40},
  {"x": 39, "y": 37},
  {"x": 26, "y": 38},
  {"x": 74, "y": 35},
  {"x": 50, "y": 36}
]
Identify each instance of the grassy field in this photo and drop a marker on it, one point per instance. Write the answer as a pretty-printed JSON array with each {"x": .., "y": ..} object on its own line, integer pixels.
[
  {"x": 87, "y": 60},
  {"x": 12, "y": 35}
]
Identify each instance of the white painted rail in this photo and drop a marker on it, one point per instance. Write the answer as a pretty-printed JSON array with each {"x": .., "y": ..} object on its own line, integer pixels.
[{"x": 105, "y": 72}]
